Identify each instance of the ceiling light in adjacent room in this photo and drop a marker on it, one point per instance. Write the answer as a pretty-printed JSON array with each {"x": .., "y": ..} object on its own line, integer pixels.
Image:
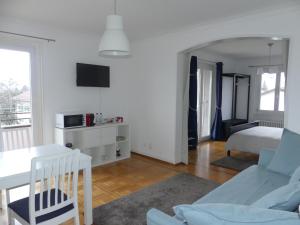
[{"x": 276, "y": 38}]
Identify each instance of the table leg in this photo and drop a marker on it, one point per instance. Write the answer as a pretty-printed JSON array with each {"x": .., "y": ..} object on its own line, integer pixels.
[
  {"x": 88, "y": 206},
  {"x": 10, "y": 220}
]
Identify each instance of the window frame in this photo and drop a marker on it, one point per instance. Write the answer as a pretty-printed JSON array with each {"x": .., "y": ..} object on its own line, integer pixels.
[
  {"x": 35, "y": 48},
  {"x": 204, "y": 66},
  {"x": 277, "y": 94}
]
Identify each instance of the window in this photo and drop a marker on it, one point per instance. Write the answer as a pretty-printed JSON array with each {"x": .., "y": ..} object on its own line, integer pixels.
[
  {"x": 204, "y": 89},
  {"x": 272, "y": 91},
  {"x": 281, "y": 92},
  {"x": 15, "y": 90}
]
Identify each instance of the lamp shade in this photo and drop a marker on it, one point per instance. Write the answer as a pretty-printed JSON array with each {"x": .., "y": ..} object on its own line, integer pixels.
[{"x": 114, "y": 41}]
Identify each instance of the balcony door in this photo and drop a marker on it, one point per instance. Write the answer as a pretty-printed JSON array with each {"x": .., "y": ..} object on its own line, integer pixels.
[
  {"x": 204, "y": 74},
  {"x": 17, "y": 100}
]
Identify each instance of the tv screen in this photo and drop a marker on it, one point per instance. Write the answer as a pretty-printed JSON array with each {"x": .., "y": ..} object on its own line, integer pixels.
[{"x": 92, "y": 75}]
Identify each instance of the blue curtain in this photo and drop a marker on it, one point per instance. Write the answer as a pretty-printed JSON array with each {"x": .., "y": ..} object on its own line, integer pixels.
[
  {"x": 216, "y": 130},
  {"x": 192, "y": 120}
]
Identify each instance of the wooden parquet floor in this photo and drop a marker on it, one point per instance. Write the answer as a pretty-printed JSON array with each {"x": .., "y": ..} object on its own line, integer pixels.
[{"x": 119, "y": 179}]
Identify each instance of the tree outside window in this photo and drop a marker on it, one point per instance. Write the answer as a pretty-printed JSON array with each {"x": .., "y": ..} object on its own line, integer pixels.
[{"x": 15, "y": 94}]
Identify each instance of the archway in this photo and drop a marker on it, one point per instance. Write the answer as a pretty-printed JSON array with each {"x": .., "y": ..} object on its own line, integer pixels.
[{"x": 182, "y": 82}]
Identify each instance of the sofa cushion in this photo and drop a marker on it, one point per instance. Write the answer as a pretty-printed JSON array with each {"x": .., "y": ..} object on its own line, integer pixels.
[
  {"x": 285, "y": 198},
  {"x": 265, "y": 157},
  {"x": 225, "y": 214},
  {"x": 21, "y": 207},
  {"x": 246, "y": 187},
  {"x": 287, "y": 157},
  {"x": 295, "y": 176}
]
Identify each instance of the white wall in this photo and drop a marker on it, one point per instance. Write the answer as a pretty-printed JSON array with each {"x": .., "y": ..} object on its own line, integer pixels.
[
  {"x": 227, "y": 97},
  {"x": 156, "y": 123},
  {"x": 242, "y": 98},
  {"x": 153, "y": 99},
  {"x": 59, "y": 92}
]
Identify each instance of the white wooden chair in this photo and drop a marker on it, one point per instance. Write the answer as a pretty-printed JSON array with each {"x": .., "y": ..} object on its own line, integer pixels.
[
  {"x": 56, "y": 201},
  {"x": 11, "y": 139}
]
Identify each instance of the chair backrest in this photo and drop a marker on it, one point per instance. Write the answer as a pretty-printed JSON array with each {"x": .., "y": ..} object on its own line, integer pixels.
[{"x": 58, "y": 178}]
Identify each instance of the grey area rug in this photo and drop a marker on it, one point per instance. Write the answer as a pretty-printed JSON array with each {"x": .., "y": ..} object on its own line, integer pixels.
[
  {"x": 131, "y": 210},
  {"x": 234, "y": 163}
]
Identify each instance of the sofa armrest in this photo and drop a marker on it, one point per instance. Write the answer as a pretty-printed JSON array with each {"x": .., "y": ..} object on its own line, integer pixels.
[
  {"x": 265, "y": 157},
  {"x": 156, "y": 217}
]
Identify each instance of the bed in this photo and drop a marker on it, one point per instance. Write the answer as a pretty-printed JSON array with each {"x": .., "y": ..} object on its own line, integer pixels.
[{"x": 254, "y": 139}]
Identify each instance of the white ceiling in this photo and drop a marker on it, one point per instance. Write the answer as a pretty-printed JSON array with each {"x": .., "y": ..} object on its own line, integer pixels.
[
  {"x": 143, "y": 18},
  {"x": 246, "y": 47}
]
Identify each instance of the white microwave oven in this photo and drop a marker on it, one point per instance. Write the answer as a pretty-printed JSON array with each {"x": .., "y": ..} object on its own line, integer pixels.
[{"x": 64, "y": 120}]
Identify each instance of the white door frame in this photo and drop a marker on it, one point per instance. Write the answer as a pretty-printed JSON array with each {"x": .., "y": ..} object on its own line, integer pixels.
[
  {"x": 36, "y": 79},
  {"x": 201, "y": 67}
]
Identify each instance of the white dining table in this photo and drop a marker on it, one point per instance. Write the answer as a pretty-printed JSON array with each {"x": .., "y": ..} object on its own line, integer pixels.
[{"x": 15, "y": 171}]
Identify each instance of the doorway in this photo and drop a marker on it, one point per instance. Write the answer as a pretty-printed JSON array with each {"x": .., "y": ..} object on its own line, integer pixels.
[
  {"x": 16, "y": 108},
  {"x": 204, "y": 100},
  {"x": 260, "y": 97}
]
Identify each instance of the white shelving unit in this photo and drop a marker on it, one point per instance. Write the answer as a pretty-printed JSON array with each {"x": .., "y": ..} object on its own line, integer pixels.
[{"x": 104, "y": 143}]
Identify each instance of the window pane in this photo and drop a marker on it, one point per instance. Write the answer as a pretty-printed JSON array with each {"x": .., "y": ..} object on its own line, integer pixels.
[
  {"x": 282, "y": 92},
  {"x": 198, "y": 87},
  {"x": 206, "y": 102},
  {"x": 15, "y": 94},
  {"x": 267, "y": 91}
]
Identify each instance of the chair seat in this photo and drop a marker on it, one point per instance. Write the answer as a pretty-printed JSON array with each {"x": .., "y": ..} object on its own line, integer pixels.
[{"x": 21, "y": 207}]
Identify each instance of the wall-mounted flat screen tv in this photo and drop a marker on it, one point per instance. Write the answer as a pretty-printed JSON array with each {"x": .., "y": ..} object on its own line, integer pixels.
[{"x": 92, "y": 75}]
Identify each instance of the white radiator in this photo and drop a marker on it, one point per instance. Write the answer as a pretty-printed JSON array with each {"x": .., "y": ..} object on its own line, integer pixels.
[{"x": 266, "y": 123}]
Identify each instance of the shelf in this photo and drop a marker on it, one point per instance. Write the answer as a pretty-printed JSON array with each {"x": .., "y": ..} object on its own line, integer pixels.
[
  {"x": 122, "y": 141},
  {"x": 93, "y": 127},
  {"x": 100, "y": 142}
]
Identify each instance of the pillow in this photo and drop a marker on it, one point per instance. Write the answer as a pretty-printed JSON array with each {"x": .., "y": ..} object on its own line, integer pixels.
[
  {"x": 230, "y": 214},
  {"x": 287, "y": 157},
  {"x": 285, "y": 198},
  {"x": 295, "y": 176}
]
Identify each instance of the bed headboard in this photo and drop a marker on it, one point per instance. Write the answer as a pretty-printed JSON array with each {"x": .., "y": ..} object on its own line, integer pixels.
[{"x": 244, "y": 126}]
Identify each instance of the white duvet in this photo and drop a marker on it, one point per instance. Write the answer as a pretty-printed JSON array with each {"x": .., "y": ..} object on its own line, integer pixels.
[{"x": 254, "y": 139}]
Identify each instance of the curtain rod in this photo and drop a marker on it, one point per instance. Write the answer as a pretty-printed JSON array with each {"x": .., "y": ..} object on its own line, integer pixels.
[
  {"x": 28, "y": 36},
  {"x": 266, "y": 65},
  {"x": 206, "y": 61}
]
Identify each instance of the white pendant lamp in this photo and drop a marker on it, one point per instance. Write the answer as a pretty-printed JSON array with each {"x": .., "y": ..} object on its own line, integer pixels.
[{"x": 114, "y": 41}]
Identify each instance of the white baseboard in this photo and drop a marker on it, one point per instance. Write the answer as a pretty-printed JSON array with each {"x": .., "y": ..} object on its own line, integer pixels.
[{"x": 153, "y": 156}]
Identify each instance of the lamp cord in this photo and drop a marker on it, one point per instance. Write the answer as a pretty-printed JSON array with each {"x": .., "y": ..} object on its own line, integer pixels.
[
  {"x": 115, "y": 8},
  {"x": 270, "y": 52}
]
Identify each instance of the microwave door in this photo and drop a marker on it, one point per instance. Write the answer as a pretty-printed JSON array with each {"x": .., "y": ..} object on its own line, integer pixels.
[{"x": 73, "y": 121}]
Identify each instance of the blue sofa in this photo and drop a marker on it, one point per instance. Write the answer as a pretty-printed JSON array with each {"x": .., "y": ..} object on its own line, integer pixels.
[{"x": 243, "y": 189}]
